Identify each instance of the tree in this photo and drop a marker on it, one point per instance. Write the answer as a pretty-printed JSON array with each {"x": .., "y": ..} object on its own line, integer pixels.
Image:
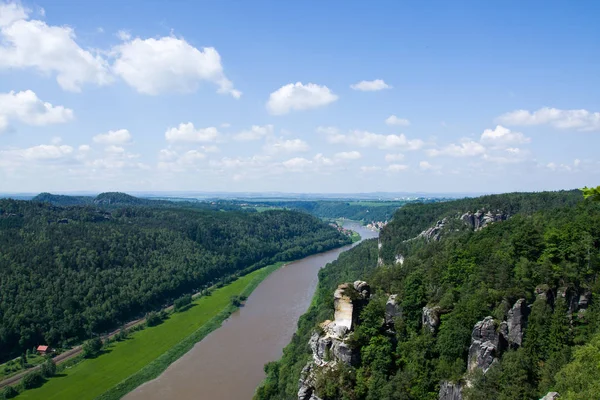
[
  {"x": 32, "y": 380},
  {"x": 591, "y": 193},
  {"x": 9, "y": 392},
  {"x": 182, "y": 302},
  {"x": 48, "y": 368},
  {"x": 92, "y": 347}
]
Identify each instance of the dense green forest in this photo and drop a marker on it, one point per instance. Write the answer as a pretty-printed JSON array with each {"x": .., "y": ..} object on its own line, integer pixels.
[
  {"x": 68, "y": 273},
  {"x": 547, "y": 252},
  {"x": 366, "y": 212}
]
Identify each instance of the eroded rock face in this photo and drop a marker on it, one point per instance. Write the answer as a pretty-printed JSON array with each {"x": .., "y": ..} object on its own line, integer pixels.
[
  {"x": 486, "y": 344},
  {"x": 450, "y": 391},
  {"x": 480, "y": 219},
  {"x": 399, "y": 259},
  {"x": 551, "y": 396},
  {"x": 343, "y": 306},
  {"x": 431, "y": 318},
  {"x": 392, "y": 310},
  {"x": 545, "y": 293},
  {"x": 516, "y": 323},
  {"x": 434, "y": 233},
  {"x": 363, "y": 289}
]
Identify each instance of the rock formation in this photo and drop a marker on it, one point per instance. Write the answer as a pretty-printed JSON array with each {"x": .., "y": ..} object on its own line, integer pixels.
[
  {"x": 331, "y": 345},
  {"x": 481, "y": 218},
  {"x": 516, "y": 323},
  {"x": 551, "y": 396},
  {"x": 431, "y": 318},
  {"x": 486, "y": 345},
  {"x": 450, "y": 391},
  {"x": 434, "y": 233},
  {"x": 544, "y": 292},
  {"x": 392, "y": 310}
]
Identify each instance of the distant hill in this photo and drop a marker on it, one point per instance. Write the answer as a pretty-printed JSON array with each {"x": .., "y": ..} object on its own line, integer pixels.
[
  {"x": 62, "y": 200},
  {"x": 122, "y": 198}
]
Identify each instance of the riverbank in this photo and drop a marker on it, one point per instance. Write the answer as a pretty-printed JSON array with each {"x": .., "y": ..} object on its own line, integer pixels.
[{"x": 146, "y": 353}]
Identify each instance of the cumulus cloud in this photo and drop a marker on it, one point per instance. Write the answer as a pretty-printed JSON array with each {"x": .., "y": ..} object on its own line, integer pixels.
[
  {"x": 348, "y": 155},
  {"x": 370, "y": 86},
  {"x": 427, "y": 166},
  {"x": 27, "y": 43},
  {"x": 43, "y": 154},
  {"x": 256, "y": 132},
  {"x": 502, "y": 136},
  {"x": 281, "y": 145},
  {"x": 27, "y": 108},
  {"x": 396, "y": 168},
  {"x": 394, "y": 157},
  {"x": 121, "y": 136},
  {"x": 369, "y": 139},
  {"x": 393, "y": 120},
  {"x": 297, "y": 96},
  {"x": 465, "y": 149},
  {"x": 188, "y": 133},
  {"x": 370, "y": 168},
  {"x": 582, "y": 120},
  {"x": 169, "y": 64},
  {"x": 172, "y": 161}
]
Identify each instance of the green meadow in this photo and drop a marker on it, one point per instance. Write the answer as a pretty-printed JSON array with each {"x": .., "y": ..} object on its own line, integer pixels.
[{"x": 146, "y": 353}]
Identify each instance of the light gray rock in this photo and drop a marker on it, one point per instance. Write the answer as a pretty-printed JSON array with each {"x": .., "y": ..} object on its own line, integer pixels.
[
  {"x": 431, "y": 318},
  {"x": 450, "y": 391},
  {"x": 551, "y": 396},
  {"x": 392, "y": 309},
  {"x": 545, "y": 293},
  {"x": 486, "y": 345},
  {"x": 584, "y": 299},
  {"x": 516, "y": 322},
  {"x": 363, "y": 289}
]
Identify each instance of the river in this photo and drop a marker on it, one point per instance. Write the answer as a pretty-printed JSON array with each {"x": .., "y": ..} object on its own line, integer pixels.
[{"x": 228, "y": 363}]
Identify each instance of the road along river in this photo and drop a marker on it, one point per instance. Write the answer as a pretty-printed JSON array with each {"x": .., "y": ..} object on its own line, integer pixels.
[{"x": 228, "y": 363}]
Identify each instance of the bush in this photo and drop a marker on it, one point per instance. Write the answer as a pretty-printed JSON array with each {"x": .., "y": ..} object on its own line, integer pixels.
[
  {"x": 9, "y": 392},
  {"x": 48, "y": 368},
  {"x": 182, "y": 302},
  {"x": 238, "y": 300},
  {"x": 32, "y": 380},
  {"x": 92, "y": 347},
  {"x": 154, "y": 318}
]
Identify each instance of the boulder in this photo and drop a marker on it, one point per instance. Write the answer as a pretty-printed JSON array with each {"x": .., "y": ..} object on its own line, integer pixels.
[
  {"x": 431, "y": 318},
  {"x": 363, "y": 289},
  {"x": 551, "y": 396},
  {"x": 450, "y": 391},
  {"x": 516, "y": 323},
  {"x": 486, "y": 345},
  {"x": 392, "y": 310}
]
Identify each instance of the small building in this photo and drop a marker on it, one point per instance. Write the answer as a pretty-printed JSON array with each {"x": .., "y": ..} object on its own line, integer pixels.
[{"x": 43, "y": 350}]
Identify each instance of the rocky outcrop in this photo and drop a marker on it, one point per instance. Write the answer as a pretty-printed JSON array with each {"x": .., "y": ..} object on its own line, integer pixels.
[
  {"x": 486, "y": 345},
  {"x": 392, "y": 310},
  {"x": 516, "y": 323},
  {"x": 480, "y": 219},
  {"x": 545, "y": 293},
  {"x": 431, "y": 318},
  {"x": 551, "y": 396},
  {"x": 435, "y": 232},
  {"x": 399, "y": 259},
  {"x": 330, "y": 346},
  {"x": 450, "y": 391}
]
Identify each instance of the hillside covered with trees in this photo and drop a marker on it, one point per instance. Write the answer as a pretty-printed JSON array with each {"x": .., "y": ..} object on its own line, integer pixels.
[
  {"x": 508, "y": 310},
  {"x": 69, "y": 273}
]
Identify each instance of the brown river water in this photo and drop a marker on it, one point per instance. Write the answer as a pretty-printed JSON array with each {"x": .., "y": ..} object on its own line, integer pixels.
[{"x": 228, "y": 363}]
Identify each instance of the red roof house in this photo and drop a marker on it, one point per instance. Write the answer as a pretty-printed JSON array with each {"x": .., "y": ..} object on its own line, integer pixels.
[{"x": 43, "y": 349}]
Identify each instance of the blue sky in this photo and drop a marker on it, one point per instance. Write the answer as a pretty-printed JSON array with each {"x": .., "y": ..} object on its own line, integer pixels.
[{"x": 341, "y": 96}]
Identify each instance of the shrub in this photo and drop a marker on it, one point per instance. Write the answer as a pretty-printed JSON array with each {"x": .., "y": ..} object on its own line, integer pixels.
[
  {"x": 32, "y": 380},
  {"x": 154, "y": 318},
  {"x": 48, "y": 368},
  {"x": 92, "y": 347},
  {"x": 9, "y": 392},
  {"x": 182, "y": 302}
]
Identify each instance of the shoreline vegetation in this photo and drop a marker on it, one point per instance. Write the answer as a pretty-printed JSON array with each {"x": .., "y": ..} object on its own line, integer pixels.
[{"x": 146, "y": 353}]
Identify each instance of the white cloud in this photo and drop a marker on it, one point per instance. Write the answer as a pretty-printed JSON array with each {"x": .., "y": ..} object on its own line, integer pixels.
[
  {"x": 296, "y": 163},
  {"x": 26, "y": 43},
  {"x": 582, "y": 120},
  {"x": 114, "y": 149},
  {"x": 393, "y": 120},
  {"x": 396, "y": 168},
  {"x": 170, "y": 160},
  {"x": 465, "y": 149},
  {"x": 394, "y": 157},
  {"x": 188, "y": 133},
  {"x": 370, "y": 86},
  {"x": 225, "y": 125},
  {"x": 282, "y": 145},
  {"x": 328, "y": 130},
  {"x": 370, "y": 168},
  {"x": 297, "y": 96},
  {"x": 121, "y": 136},
  {"x": 426, "y": 166},
  {"x": 124, "y": 35},
  {"x": 256, "y": 132},
  {"x": 169, "y": 64},
  {"x": 27, "y": 108},
  {"x": 348, "y": 155},
  {"x": 369, "y": 139},
  {"x": 577, "y": 162},
  {"x": 32, "y": 156},
  {"x": 502, "y": 136}
]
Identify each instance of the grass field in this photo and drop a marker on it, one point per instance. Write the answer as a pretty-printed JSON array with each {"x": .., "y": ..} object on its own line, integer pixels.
[
  {"x": 148, "y": 352},
  {"x": 13, "y": 367}
]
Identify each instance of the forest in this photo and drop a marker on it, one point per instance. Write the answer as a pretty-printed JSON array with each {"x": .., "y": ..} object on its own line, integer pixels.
[
  {"x": 72, "y": 272},
  {"x": 545, "y": 255}
]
